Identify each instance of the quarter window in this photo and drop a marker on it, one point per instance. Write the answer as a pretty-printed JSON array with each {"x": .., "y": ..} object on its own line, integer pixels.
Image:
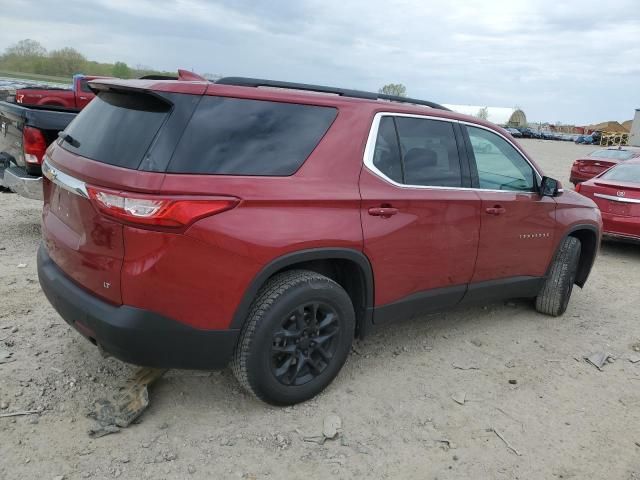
[
  {"x": 500, "y": 166},
  {"x": 237, "y": 136}
]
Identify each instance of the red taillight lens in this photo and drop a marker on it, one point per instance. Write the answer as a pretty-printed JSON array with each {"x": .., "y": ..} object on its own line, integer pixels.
[
  {"x": 155, "y": 210},
  {"x": 578, "y": 187},
  {"x": 34, "y": 145}
]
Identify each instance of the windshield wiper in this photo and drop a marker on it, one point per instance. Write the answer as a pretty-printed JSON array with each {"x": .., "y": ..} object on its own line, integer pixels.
[{"x": 69, "y": 139}]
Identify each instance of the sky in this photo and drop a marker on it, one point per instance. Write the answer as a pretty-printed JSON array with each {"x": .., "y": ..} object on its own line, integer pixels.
[{"x": 575, "y": 62}]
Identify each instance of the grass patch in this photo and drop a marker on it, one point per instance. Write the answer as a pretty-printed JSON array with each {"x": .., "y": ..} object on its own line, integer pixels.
[{"x": 35, "y": 76}]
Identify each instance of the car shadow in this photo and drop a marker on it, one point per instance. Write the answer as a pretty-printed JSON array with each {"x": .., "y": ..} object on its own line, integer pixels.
[{"x": 628, "y": 248}]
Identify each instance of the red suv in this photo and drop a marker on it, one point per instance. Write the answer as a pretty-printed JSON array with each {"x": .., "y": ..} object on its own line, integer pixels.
[{"x": 190, "y": 224}]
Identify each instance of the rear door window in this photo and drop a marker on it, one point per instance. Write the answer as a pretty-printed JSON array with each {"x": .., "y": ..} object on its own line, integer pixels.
[
  {"x": 429, "y": 152},
  {"x": 117, "y": 128},
  {"x": 231, "y": 136}
]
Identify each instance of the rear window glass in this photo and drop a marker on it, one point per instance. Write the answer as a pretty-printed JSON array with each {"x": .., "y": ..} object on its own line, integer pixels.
[
  {"x": 117, "y": 128},
  {"x": 623, "y": 173},
  {"x": 231, "y": 136},
  {"x": 613, "y": 154}
]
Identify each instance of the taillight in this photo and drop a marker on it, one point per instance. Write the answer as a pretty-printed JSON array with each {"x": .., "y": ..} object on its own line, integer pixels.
[
  {"x": 578, "y": 187},
  {"x": 34, "y": 145},
  {"x": 155, "y": 210}
]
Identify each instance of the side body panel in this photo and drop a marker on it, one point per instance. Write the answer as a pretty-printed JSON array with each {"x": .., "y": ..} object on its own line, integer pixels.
[
  {"x": 430, "y": 243},
  {"x": 200, "y": 277},
  {"x": 518, "y": 242}
]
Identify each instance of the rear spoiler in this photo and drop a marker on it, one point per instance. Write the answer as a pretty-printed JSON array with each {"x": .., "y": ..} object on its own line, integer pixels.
[
  {"x": 184, "y": 75},
  {"x": 194, "y": 83}
]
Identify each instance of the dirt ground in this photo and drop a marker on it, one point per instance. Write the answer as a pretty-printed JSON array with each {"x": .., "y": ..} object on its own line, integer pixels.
[{"x": 533, "y": 408}]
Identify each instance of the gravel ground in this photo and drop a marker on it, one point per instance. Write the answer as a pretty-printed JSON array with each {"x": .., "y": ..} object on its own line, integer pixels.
[{"x": 532, "y": 407}]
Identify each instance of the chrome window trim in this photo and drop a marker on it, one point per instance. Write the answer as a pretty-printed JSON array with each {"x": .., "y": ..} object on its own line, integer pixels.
[
  {"x": 371, "y": 144},
  {"x": 617, "y": 199},
  {"x": 64, "y": 180}
]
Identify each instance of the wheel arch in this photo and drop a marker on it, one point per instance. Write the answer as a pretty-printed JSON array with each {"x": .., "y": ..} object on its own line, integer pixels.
[
  {"x": 589, "y": 237},
  {"x": 48, "y": 102},
  {"x": 350, "y": 268}
]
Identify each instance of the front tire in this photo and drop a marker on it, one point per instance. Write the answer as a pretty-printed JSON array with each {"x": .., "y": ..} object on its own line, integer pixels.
[
  {"x": 556, "y": 291},
  {"x": 296, "y": 338}
]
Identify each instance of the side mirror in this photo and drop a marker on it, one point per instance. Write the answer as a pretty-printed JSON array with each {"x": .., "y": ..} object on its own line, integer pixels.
[{"x": 549, "y": 187}]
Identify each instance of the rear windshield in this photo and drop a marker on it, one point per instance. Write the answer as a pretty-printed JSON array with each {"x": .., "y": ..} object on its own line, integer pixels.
[
  {"x": 231, "y": 136},
  {"x": 613, "y": 154},
  {"x": 117, "y": 128},
  {"x": 623, "y": 173}
]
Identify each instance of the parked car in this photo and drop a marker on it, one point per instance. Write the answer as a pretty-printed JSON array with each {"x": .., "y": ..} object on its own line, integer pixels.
[
  {"x": 25, "y": 134},
  {"x": 585, "y": 139},
  {"x": 75, "y": 98},
  {"x": 527, "y": 133},
  {"x": 600, "y": 160},
  {"x": 207, "y": 223},
  {"x": 514, "y": 132},
  {"x": 617, "y": 194},
  {"x": 547, "y": 135}
]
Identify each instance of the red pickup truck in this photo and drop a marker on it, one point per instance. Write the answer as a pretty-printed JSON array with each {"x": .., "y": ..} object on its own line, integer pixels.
[{"x": 75, "y": 98}]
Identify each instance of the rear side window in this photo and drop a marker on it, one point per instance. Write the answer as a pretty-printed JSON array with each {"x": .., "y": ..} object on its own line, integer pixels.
[
  {"x": 429, "y": 152},
  {"x": 231, "y": 136},
  {"x": 117, "y": 128}
]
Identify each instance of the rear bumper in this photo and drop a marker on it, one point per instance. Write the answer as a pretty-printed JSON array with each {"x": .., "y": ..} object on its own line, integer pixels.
[
  {"x": 131, "y": 334},
  {"x": 19, "y": 181},
  {"x": 615, "y": 226}
]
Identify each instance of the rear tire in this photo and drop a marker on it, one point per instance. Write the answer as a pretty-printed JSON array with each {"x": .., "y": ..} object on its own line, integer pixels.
[
  {"x": 556, "y": 291},
  {"x": 296, "y": 338}
]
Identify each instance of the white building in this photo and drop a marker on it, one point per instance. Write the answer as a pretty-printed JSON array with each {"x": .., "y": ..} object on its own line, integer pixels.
[{"x": 512, "y": 117}]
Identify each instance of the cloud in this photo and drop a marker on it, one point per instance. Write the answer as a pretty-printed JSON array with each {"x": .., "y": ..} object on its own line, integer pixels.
[{"x": 571, "y": 61}]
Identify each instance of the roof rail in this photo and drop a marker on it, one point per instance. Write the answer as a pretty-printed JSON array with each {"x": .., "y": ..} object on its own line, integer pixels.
[{"x": 258, "y": 82}]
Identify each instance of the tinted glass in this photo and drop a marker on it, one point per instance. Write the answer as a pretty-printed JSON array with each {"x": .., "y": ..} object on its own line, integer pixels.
[
  {"x": 429, "y": 152},
  {"x": 623, "y": 173},
  {"x": 232, "y": 136},
  {"x": 500, "y": 166},
  {"x": 386, "y": 156},
  {"x": 614, "y": 154},
  {"x": 117, "y": 128},
  {"x": 84, "y": 86}
]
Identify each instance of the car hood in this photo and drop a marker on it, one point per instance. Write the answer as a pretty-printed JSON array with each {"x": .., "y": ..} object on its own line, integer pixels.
[{"x": 574, "y": 199}]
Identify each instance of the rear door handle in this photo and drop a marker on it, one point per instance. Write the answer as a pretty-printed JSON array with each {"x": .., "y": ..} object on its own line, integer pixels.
[
  {"x": 496, "y": 210},
  {"x": 382, "y": 211}
]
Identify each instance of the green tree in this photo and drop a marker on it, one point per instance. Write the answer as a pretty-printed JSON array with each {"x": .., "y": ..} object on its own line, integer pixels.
[
  {"x": 26, "y": 48},
  {"x": 66, "y": 61},
  {"x": 24, "y": 56},
  {"x": 397, "y": 89},
  {"x": 121, "y": 70}
]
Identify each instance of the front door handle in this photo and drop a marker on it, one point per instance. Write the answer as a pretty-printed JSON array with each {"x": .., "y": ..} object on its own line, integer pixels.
[
  {"x": 382, "y": 211},
  {"x": 496, "y": 210}
]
